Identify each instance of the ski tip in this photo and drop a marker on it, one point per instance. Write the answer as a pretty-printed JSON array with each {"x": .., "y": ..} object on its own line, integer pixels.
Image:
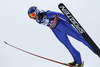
[
  {"x": 60, "y": 4},
  {"x": 5, "y": 42}
]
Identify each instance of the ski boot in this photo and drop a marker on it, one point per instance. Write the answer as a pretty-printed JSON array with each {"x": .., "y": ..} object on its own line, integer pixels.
[{"x": 75, "y": 64}]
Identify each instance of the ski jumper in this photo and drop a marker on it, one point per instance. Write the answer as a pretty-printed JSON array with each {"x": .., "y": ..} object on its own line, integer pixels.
[{"x": 58, "y": 23}]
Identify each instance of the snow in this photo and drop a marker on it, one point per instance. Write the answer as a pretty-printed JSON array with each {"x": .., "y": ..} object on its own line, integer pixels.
[{"x": 19, "y": 30}]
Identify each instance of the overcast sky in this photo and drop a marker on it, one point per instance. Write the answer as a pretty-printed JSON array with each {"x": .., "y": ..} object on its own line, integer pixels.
[{"x": 19, "y": 30}]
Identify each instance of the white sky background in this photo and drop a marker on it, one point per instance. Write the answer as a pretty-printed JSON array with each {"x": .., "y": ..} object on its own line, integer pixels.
[{"x": 19, "y": 30}]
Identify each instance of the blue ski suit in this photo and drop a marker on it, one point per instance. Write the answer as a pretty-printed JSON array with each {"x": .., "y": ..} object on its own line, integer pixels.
[{"x": 61, "y": 28}]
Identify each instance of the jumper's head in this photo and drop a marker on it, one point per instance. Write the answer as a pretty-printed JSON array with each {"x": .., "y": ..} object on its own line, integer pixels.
[{"x": 33, "y": 12}]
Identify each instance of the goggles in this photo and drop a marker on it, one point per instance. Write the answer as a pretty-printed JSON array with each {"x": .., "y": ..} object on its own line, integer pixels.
[{"x": 32, "y": 15}]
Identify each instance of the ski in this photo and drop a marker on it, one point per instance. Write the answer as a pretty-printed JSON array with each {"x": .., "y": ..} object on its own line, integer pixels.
[
  {"x": 79, "y": 28},
  {"x": 36, "y": 55}
]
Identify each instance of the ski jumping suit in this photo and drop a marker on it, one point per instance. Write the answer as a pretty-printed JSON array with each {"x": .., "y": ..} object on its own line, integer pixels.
[{"x": 61, "y": 28}]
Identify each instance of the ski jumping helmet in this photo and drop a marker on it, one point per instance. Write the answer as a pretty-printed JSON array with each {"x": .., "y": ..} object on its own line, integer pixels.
[{"x": 33, "y": 11}]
